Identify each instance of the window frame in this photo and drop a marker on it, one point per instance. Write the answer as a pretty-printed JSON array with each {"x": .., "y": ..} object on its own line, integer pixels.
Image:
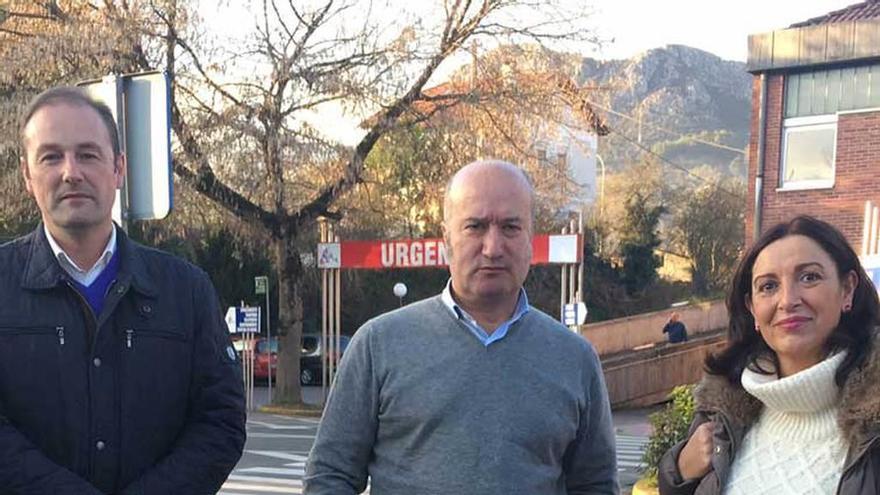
[{"x": 795, "y": 124}]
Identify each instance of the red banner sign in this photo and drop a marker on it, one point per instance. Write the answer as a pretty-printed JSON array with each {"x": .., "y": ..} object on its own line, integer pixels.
[{"x": 424, "y": 253}]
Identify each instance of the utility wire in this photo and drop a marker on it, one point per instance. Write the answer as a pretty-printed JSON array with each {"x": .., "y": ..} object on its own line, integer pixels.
[
  {"x": 673, "y": 164},
  {"x": 668, "y": 131}
]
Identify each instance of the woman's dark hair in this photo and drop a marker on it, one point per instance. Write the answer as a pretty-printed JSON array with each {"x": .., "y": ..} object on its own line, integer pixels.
[{"x": 746, "y": 347}]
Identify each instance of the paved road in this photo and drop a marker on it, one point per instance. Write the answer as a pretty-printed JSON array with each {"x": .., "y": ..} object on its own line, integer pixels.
[
  {"x": 274, "y": 457},
  {"x": 277, "y": 448}
]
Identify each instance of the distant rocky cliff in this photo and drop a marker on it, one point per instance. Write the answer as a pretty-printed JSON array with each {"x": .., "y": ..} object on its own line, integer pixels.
[{"x": 678, "y": 88}]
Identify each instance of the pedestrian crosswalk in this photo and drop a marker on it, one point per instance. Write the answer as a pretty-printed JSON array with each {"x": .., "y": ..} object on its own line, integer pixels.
[
  {"x": 629, "y": 452},
  {"x": 286, "y": 478},
  {"x": 283, "y": 471}
]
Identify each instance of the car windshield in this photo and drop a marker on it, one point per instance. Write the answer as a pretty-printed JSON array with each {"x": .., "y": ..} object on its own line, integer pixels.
[
  {"x": 311, "y": 344},
  {"x": 263, "y": 346}
]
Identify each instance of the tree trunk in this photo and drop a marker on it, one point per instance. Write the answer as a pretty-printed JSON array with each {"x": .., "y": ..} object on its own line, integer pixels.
[{"x": 290, "y": 318}]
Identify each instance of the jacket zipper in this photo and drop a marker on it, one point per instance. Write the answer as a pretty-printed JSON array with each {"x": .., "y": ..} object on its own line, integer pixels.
[
  {"x": 60, "y": 331},
  {"x": 92, "y": 328},
  {"x": 161, "y": 334}
]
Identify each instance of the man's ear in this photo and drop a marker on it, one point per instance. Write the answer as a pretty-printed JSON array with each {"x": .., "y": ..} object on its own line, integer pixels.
[
  {"x": 119, "y": 167},
  {"x": 26, "y": 175}
]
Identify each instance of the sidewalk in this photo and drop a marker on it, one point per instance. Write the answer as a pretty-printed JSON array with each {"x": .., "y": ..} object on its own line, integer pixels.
[{"x": 633, "y": 421}]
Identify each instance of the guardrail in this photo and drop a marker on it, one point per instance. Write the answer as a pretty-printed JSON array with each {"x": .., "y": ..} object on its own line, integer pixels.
[
  {"x": 645, "y": 377},
  {"x": 625, "y": 334}
]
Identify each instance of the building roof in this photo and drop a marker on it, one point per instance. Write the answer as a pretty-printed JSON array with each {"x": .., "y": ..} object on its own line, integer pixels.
[{"x": 869, "y": 9}]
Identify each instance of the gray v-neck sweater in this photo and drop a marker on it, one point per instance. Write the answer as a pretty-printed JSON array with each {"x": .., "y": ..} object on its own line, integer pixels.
[{"x": 422, "y": 407}]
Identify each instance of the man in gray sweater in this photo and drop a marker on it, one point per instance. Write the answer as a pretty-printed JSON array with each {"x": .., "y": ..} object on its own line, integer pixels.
[{"x": 472, "y": 391}]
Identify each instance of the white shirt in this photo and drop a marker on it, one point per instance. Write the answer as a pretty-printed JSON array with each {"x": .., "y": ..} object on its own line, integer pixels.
[{"x": 84, "y": 277}]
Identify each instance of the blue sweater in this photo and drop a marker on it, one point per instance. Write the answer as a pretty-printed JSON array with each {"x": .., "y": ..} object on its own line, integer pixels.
[
  {"x": 95, "y": 293},
  {"x": 422, "y": 407}
]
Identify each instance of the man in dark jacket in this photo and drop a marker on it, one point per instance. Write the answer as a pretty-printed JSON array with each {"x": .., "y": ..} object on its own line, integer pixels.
[
  {"x": 675, "y": 329},
  {"x": 116, "y": 373}
]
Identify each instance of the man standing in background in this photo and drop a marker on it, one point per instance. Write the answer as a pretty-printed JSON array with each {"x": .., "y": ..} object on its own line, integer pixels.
[{"x": 675, "y": 330}]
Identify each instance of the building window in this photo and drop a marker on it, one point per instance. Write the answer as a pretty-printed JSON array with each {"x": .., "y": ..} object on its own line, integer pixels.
[
  {"x": 808, "y": 145},
  {"x": 812, "y": 102},
  {"x": 826, "y": 92}
]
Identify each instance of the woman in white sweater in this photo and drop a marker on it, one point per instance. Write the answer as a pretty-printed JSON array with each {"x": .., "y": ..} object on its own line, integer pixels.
[{"x": 791, "y": 405}]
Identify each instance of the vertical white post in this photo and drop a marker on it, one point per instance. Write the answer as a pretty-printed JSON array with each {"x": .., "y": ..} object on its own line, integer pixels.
[
  {"x": 579, "y": 297},
  {"x": 573, "y": 271},
  {"x": 563, "y": 286},
  {"x": 875, "y": 224},
  {"x": 338, "y": 327},
  {"x": 866, "y": 228},
  {"x": 324, "y": 317}
]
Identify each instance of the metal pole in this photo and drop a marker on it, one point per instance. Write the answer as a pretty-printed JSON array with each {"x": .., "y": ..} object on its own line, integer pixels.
[
  {"x": 572, "y": 281},
  {"x": 601, "y": 187},
  {"x": 579, "y": 297},
  {"x": 338, "y": 328},
  {"x": 866, "y": 227},
  {"x": 324, "y": 322},
  {"x": 563, "y": 282},
  {"x": 759, "y": 167},
  {"x": 269, "y": 338},
  {"x": 121, "y": 119},
  {"x": 331, "y": 315},
  {"x": 875, "y": 226}
]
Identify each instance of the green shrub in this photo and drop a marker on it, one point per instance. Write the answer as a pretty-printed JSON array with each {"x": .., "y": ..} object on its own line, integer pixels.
[{"x": 670, "y": 427}]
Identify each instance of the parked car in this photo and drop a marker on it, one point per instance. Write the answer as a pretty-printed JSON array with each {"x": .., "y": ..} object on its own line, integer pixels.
[
  {"x": 266, "y": 356},
  {"x": 310, "y": 359},
  {"x": 260, "y": 347}
]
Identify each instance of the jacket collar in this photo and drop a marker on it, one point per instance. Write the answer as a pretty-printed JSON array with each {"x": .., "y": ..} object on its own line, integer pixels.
[
  {"x": 858, "y": 408},
  {"x": 42, "y": 271}
]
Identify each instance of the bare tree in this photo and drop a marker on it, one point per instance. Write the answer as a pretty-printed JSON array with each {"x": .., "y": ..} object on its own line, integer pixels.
[{"x": 246, "y": 112}]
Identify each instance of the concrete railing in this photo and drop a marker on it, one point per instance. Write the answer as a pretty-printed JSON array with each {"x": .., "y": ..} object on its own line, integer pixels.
[
  {"x": 646, "y": 377},
  {"x": 625, "y": 334}
]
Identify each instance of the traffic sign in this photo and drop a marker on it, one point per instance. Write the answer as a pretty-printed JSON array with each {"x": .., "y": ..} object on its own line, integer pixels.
[
  {"x": 261, "y": 284},
  {"x": 574, "y": 314},
  {"x": 141, "y": 106},
  {"x": 243, "y": 320}
]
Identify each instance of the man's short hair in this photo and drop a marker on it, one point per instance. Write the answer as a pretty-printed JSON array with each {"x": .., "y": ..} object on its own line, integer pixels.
[
  {"x": 530, "y": 186},
  {"x": 71, "y": 96}
]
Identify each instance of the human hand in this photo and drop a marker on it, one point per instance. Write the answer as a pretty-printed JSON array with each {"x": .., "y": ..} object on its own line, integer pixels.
[{"x": 695, "y": 459}]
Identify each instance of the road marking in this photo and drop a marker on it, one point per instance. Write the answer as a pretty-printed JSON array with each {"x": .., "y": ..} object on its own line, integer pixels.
[
  {"x": 273, "y": 426},
  {"x": 259, "y": 488},
  {"x": 277, "y": 435},
  {"x": 271, "y": 470},
  {"x": 266, "y": 479},
  {"x": 280, "y": 454}
]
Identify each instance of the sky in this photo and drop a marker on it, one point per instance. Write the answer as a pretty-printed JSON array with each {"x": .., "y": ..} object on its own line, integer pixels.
[
  {"x": 628, "y": 27},
  {"x": 633, "y": 26},
  {"x": 717, "y": 26}
]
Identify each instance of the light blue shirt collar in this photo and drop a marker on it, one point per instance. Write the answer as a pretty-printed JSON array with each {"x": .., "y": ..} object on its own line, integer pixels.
[
  {"x": 84, "y": 276},
  {"x": 522, "y": 307}
]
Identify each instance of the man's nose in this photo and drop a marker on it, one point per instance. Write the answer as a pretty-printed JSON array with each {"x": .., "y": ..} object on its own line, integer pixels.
[
  {"x": 71, "y": 171},
  {"x": 493, "y": 242}
]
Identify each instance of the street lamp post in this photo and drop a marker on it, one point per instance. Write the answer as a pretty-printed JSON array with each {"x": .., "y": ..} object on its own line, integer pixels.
[
  {"x": 261, "y": 286},
  {"x": 400, "y": 291},
  {"x": 601, "y": 186}
]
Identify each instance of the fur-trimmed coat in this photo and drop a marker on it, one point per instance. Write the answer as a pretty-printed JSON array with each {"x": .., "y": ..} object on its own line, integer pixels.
[{"x": 734, "y": 411}]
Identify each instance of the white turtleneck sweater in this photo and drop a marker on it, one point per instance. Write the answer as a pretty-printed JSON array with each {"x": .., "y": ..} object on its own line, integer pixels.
[{"x": 795, "y": 447}]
